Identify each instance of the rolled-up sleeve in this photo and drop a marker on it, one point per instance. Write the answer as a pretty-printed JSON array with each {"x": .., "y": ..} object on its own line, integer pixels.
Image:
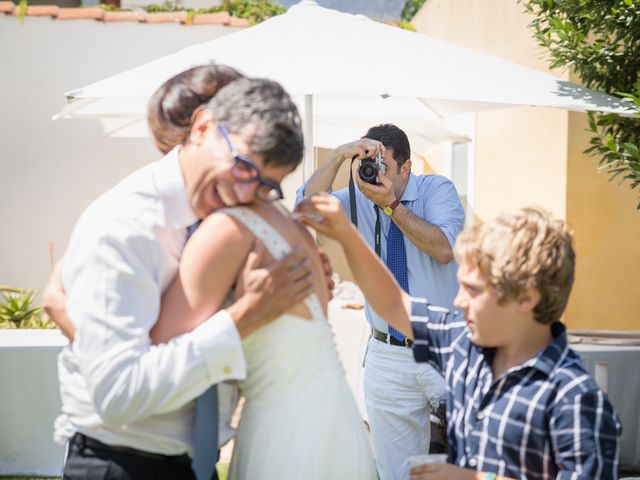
[
  {"x": 434, "y": 332},
  {"x": 443, "y": 208},
  {"x": 114, "y": 300},
  {"x": 300, "y": 194},
  {"x": 585, "y": 435}
]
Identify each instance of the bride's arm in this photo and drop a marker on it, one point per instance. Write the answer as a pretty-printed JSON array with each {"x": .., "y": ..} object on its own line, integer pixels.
[
  {"x": 374, "y": 279},
  {"x": 208, "y": 268}
]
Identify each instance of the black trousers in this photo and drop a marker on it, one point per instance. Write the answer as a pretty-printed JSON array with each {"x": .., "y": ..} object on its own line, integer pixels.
[{"x": 91, "y": 459}]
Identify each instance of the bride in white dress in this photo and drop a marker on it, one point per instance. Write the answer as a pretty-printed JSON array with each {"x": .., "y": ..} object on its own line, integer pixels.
[{"x": 299, "y": 420}]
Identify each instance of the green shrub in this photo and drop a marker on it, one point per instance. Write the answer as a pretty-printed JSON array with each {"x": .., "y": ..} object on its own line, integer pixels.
[
  {"x": 17, "y": 309},
  {"x": 255, "y": 11}
]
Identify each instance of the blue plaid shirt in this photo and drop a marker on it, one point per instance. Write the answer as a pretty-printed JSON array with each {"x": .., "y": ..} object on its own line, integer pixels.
[{"x": 543, "y": 419}]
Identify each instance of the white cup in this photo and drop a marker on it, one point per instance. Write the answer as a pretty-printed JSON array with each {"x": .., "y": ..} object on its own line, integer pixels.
[{"x": 419, "y": 460}]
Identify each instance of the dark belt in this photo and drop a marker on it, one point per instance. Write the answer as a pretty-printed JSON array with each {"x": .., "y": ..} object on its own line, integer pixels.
[
  {"x": 391, "y": 340},
  {"x": 83, "y": 442}
]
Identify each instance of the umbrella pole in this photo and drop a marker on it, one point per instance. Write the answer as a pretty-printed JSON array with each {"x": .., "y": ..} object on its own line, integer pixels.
[{"x": 308, "y": 164}]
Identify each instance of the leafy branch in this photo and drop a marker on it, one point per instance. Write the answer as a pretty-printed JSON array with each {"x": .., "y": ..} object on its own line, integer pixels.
[{"x": 600, "y": 41}]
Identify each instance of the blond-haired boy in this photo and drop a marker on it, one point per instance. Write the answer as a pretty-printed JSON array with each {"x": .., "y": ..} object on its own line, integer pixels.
[{"x": 519, "y": 402}]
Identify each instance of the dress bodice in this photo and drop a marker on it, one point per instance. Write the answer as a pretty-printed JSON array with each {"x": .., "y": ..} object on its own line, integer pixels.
[{"x": 292, "y": 350}]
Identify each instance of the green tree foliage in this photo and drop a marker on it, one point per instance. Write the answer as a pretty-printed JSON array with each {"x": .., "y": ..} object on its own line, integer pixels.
[
  {"x": 410, "y": 9},
  {"x": 600, "y": 41}
]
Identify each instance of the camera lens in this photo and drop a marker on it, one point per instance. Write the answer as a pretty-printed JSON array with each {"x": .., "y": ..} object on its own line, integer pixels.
[{"x": 368, "y": 172}]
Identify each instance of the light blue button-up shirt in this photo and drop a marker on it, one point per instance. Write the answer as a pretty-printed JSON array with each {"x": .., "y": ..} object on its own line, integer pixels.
[{"x": 434, "y": 199}]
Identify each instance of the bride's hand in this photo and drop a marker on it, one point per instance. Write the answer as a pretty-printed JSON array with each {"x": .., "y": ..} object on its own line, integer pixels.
[{"x": 324, "y": 213}]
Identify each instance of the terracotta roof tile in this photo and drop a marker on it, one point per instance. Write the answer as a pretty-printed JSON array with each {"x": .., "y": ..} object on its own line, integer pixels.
[
  {"x": 41, "y": 10},
  {"x": 7, "y": 7},
  {"x": 124, "y": 16},
  {"x": 80, "y": 13},
  {"x": 211, "y": 18},
  {"x": 239, "y": 22},
  {"x": 166, "y": 17},
  {"x": 95, "y": 13}
]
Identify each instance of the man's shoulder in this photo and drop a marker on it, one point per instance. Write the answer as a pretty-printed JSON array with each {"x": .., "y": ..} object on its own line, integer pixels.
[
  {"x": 431, "y": 180},
  {"x": 118, "y": 215}
]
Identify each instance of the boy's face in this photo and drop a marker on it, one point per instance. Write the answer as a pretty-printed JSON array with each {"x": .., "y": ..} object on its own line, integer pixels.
[{"x": 491, "y": 324}]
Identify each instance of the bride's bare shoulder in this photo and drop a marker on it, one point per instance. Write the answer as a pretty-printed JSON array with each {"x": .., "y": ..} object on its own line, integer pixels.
[{"x": 222, "y": 227}]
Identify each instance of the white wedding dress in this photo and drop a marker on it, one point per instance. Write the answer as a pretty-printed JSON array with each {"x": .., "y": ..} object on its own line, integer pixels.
[{"x": 299, "y": 420}]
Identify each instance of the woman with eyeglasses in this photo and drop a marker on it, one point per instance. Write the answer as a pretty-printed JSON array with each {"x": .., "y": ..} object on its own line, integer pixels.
[{"x": 299, "y": 420}]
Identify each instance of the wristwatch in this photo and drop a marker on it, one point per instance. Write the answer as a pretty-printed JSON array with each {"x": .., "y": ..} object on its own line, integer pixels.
[{"x": 390, "y": 208}]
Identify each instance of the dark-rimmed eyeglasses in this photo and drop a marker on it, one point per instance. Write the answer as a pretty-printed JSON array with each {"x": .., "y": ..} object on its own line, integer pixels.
[{"x": 245, "y": 171}]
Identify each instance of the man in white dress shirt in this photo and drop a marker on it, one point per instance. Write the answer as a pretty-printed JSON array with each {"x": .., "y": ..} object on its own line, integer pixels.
[{"x": 128, "y": 406}]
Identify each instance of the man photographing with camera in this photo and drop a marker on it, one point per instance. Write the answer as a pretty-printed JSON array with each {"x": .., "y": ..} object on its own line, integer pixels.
[{"x": 411, "y": 221}]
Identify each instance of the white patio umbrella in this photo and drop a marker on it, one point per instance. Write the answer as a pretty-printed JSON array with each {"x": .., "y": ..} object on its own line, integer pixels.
[
  {"x": 337, "y": 119},
  {"x": 313, "y": 50}
]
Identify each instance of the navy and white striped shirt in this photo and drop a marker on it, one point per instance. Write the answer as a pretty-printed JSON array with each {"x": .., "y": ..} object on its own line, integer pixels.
[{"x": 544, "y": 419}]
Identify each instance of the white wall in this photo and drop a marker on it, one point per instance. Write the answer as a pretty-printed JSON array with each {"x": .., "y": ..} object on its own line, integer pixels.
[
  {"x": 50, "y": 171},
  {"x": 30, "y": 402}
]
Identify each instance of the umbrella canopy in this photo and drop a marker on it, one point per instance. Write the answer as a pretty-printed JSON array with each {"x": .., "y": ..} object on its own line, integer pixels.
[
  {"x": 319, "y": 51},
  {"x": 337, "y": 119}
]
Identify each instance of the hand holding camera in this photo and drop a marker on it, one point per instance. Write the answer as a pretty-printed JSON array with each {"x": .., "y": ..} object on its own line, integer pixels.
[
  {"x": 369, "y": 168},
  {"x": 362, "y": 148}
]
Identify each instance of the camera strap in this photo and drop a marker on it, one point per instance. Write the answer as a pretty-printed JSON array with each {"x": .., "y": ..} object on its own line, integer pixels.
[
  {"x": 352, "y": 195},
  {"x": 354, "y": 210},
  {"x": 378, "y": 249}
]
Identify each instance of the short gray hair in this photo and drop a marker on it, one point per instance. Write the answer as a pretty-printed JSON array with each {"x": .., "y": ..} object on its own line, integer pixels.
[{"x": 265, "y": 105}]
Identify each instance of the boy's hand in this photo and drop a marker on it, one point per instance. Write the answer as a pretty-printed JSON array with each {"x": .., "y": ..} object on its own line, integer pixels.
[
  {"x": 444, "y": 471},
  {"x": 323, "y": 212}
]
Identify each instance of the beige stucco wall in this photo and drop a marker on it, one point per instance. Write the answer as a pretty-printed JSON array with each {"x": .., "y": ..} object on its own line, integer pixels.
[
  {"x": 606, "y": 224},
  {"x": 520, "y": 160},
  {"x": 533, "y": 156}
]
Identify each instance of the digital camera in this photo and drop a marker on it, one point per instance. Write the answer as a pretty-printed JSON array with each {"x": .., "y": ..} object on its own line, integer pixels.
[{"x": 369, "y": 168}]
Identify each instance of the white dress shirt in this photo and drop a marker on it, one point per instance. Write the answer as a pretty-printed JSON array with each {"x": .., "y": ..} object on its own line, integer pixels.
[{"x": 116, "y": 386}]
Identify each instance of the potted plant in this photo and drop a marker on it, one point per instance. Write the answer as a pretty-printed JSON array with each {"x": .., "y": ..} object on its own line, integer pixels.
[
  {"x": 17, "y": 309},
  {"x": 29, "y": 347}
]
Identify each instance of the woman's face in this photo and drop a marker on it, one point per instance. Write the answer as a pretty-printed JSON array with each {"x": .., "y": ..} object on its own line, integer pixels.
[
  {"x": 208, "y": 170},
  {"x": 234, "y": 192}
]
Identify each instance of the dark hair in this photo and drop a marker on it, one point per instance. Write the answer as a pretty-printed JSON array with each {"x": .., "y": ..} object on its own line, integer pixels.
[
  {"x": 267, "y": 107},
  {"x": 391, "y": 136},
  {"x": 171, "y": 107}
]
